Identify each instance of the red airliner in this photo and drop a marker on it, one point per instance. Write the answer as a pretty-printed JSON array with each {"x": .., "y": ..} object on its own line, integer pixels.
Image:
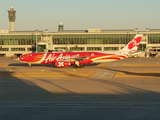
[{"x": 65, "y": 59}]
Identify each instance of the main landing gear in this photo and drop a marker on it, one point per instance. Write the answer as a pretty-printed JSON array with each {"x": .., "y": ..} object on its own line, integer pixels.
[{"x": 79, "y": 66}]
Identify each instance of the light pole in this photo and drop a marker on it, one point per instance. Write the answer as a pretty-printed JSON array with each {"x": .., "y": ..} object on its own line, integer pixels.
[
  {"x": 136, "y": 30},
  {"x": 147, "y": 49},
  {"x": 46, "y": 40},
  {"x": 147, "y": 29},
  {"x": 36, "y": 41}
]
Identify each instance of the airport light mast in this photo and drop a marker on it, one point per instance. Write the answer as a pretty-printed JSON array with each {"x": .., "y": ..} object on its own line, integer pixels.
[
  {"x": 46, "y": 41},
  {"x": 136, "y": 30},
  {"x": 12, "y": 17},
  {"x": 36, "y": 41}
]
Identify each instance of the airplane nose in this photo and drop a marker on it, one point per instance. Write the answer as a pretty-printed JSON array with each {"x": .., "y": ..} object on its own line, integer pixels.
[{"x": 21, "y": 58}]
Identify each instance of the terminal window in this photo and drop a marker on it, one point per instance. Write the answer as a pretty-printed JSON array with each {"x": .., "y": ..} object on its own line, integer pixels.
[
  {"x": 111, "y": 48},
  {"x": 17, "y": 49},
  {"x": 4, "y": 49},
  {"x": 77, "y": 48},
  {"x": 94, "y": 48},
  {"x": 31, "y": 49}
]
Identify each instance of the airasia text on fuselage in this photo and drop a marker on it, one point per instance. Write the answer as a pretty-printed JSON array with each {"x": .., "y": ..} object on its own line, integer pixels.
[{"x": 54, "y": 57}]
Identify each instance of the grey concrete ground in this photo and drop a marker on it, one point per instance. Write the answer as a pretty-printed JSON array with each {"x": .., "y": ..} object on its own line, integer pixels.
[
  {"x": 79, "y": 113},
  {"x": 101, "y": 96}
]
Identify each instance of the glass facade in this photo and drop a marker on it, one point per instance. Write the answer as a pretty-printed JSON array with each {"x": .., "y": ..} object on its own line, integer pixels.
[
  {"x": 92, "y": 39},
  {"x": 141, "y": 47},
  {"x": 77, "y": 48},
  {"x": 4, "y": 49},
  {"x": 94, "y": 49},
  {"x": 60, "y": 48},
  {"x": 41, "y": 48},
  {"x": 18, "y": 39},
  {"x": 17, "y": 49},
  {"x": 111, "y": 48},
  {"x": 76, "y": 39},
  {"x": 154, "y": 39},
  {"x": 31, "y": 49}
]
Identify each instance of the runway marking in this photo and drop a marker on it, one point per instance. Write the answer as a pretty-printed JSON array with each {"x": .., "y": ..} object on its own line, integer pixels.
[
  {"x": 8, "y": 104},
  {"x": 77, "y": 74},
  {"x": 104, "y": 74},
  {"x": 104, "y": 65},
  {"x": 95, "y": 74},
  {"x": 114, "y": 64},
  {"x": 140, "y": 64},
  {"x": 144, "y": 74},
  {"x": 113, "y": 74}
]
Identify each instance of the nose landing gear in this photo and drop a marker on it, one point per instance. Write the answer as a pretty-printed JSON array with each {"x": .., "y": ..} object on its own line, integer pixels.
[{"x": 30, "y": 65}]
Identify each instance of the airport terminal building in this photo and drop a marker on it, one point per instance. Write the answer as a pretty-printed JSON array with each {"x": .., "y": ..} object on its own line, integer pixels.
[{"x": 14, "y": 42}]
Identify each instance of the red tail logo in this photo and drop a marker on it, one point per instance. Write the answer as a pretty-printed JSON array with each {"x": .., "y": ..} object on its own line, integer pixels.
[{"x": 134, "y": 42}]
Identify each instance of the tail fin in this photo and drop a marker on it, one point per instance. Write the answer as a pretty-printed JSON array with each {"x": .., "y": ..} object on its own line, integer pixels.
[{"x": 133, "y": 45}]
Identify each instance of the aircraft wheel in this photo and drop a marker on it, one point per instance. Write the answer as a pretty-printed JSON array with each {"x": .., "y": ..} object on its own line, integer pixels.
[
  {"x": 76, "y": 66},
  {"x": 81, "y": 66}
]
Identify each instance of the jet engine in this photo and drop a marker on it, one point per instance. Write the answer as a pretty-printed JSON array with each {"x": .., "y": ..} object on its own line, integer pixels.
[{"x": 62, "y": 64}]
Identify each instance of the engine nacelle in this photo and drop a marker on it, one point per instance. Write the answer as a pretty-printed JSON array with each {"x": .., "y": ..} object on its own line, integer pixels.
[{"x": 62, "y": 64}]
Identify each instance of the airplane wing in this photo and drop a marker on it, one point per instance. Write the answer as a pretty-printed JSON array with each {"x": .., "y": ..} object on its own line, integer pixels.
[
  {"x": 108, "y": 58},
  {"x": 104, "y": 58},
  {"x": 74, "y": 59}
]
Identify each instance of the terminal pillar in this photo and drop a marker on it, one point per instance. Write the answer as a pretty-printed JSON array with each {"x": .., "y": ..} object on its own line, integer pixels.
[{"x": 12, "y": 17}]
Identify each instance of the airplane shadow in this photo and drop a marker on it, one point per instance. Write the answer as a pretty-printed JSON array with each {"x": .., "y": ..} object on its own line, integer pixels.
[
  {"x": 149, "y": 74},
  {"x": 48, "y": 65},
  {"x": 27, "y": 89},
  {"x": 68, "y": 90}
]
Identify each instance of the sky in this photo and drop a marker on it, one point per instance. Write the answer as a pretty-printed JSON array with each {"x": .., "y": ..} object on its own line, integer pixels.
[{"x": 81, "y": 14}]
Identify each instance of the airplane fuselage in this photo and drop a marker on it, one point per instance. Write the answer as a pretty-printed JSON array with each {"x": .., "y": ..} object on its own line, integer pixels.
[{"x": 50, "y": 58}]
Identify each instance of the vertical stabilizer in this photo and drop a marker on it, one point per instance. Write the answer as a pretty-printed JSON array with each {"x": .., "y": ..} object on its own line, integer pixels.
[{"x": 133, "y": 45}]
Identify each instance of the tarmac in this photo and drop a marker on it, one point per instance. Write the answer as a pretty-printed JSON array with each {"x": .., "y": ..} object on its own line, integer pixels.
[{"x": 125, "y": 89}]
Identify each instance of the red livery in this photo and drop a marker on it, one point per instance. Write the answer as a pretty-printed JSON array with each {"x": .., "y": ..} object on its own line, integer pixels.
[{"x": 65, "y": 59}]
